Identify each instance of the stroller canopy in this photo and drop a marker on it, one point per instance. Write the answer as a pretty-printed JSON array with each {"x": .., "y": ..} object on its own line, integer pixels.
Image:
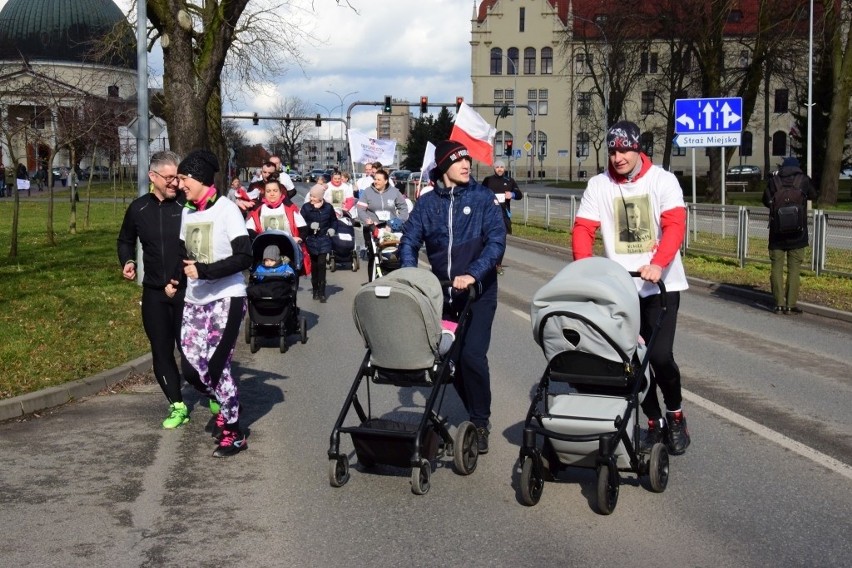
[
  {"x": 597, "y": 289},
  {"x": 399, "y": 317}
]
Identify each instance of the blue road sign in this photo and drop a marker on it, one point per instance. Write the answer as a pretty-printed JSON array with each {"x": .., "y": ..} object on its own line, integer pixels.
[
  {"x": 706, "y": 116},
  {"x": 517, "y": 153}
]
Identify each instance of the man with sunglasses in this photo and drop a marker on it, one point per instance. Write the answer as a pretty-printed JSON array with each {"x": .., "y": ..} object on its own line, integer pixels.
[{"x": 154, "y": 219}]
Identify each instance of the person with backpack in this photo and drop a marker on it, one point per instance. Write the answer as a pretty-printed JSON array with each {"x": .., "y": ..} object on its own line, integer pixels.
[{"x": 787, "y": 193}]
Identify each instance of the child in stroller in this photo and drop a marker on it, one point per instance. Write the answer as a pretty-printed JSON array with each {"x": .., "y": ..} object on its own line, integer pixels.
[
  {"x": 413, "y": 355},
  {"x": 384, "y": 246},
  {"x": 586, "y": 320},
  {"x": 272, "y": 288}
]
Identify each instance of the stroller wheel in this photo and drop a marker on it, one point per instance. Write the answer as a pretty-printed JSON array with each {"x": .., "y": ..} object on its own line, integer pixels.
[
  {"x": 356, "y": 264},
  {"x": 659, "y": 468},
  {"x": 247, "y": 329},
  {"x": 282, "y": 344},
  {"x": 607, "y": 490},
  {"x": 532, "y": 482},
  {"x": 253, "y": 344},
  {"x": 465, "y": 449},
  {"x": 420, "y": 477},
  {"x": 338, "y": 471},
  {"x": 332, "y": 264}
]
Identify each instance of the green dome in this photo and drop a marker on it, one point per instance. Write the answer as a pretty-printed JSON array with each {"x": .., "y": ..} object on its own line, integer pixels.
[{"x": 64, "y": 30}]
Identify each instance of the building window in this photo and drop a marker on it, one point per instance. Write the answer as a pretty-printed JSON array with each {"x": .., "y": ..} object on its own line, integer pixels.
[
  {"x": 746, "y": 144},
  {"x": 496, "y": 61},
  {"x": 682, "y": 62},
  {"x": 648, "y": 102},
  {"x": 646, "y": 142},
  {"x": 546, "y": 60},
  {"x": 779, "y": 144},
  {"x": 502, "y": 98},
  {"x": 744, "y": 59},
  {"x": 112, "y": 91},
  {"x": 678, "y": 151},
  {"x": 512, "y": 65},
  {"x": 529, "y": 61},
  {"x": 500, "y": 142},
  {"x": 735, "y": 16},
  {"x": 583, "y": 63},
  {"x": 538, "y": 100},
  {"x": 583, "y": 145},
  {"x": 649, "y": 63},
  {"x": 782, "y": 99},
  {"x": 522, "y": 16},
  {"x": 584, "y": 104}
]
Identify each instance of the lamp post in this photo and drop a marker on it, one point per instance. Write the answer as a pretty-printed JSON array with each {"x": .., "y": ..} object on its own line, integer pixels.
[
  {"x": 810, "y": 83},
  {"x": 342, "y": 99}
]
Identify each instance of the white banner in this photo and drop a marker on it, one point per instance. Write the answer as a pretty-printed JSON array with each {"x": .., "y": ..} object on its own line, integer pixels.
[{"x": 365, "y": 149}]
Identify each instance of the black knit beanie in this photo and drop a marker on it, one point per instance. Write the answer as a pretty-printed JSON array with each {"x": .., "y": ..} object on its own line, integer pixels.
[
  {"x": 448, "y": 153},
  {"x": 623, "y": 136},
  {"x": 200, "y": 165}
]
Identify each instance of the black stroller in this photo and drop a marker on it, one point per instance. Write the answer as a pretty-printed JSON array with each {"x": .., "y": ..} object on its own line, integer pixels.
[
  {"x": 586, "y": 406},
  {"x": 343, "y": 254},
  {"x": 272, "y": 302},
  {"x": 407, "y": 355}
]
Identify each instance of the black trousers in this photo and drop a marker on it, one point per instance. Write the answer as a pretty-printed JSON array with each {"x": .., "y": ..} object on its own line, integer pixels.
[
  {"x": 318, "y": 270},
  {"x": 665, "y": 373},
  {"x": 161, "y": 318}
]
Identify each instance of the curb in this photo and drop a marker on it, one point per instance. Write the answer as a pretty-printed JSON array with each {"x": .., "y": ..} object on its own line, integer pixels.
[{"x": 74, "y": 390}]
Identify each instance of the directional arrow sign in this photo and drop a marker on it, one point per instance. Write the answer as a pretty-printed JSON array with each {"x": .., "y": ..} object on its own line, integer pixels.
[{"x": 719, "y": 116}]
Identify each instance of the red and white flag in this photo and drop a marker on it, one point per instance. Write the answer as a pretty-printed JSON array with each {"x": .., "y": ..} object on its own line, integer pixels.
[{"x": 475, "y": 133}]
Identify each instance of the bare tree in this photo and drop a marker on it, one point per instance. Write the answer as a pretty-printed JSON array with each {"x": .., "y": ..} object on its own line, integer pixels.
[{"x": 286, "y": 136}]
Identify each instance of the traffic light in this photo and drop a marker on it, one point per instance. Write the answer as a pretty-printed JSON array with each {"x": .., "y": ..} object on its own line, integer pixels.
[
  {"x": 318, "y": 120},
  {"x": 287, "y": 119},
  {"x": 254, "y": 119},
  {"x": 424, "y": 105},
  {"x": 508, "y": 151},
  {"x": 504, "y": 111},
  {"x": 459, "y": 101},
  {"x": 388, "y": 106}
]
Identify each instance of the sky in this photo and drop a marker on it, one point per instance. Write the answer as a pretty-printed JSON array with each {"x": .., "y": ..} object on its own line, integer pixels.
[{"x": 403, "y": 48}]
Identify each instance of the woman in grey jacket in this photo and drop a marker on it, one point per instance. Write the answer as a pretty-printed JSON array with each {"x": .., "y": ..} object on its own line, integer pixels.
[{"x": 380, "y": 204}]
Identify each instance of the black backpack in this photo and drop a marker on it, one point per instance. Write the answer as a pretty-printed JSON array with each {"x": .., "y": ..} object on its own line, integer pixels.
[{"x": 788, "y": 209}]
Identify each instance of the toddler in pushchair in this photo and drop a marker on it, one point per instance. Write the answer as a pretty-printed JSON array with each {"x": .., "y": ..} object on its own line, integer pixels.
[
  {"x": 408, "y": 355},
  {"x": 586, "y": 405},
  {"x": 383, "y": 247},
  {"x": 272, "y": 289}
]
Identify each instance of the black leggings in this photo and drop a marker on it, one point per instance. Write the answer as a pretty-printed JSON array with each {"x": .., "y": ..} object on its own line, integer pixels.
[
  {"x": 318, "y": 270},
  {"x": 161, "y": 318},
  {"x": 664, "y": 371}
]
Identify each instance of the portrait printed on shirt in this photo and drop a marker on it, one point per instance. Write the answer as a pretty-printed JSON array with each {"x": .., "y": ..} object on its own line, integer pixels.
[
  {"x": 275, "y": 223},
  {"x": 198, "y": 237},
  {"x": 633, "y": 225}
]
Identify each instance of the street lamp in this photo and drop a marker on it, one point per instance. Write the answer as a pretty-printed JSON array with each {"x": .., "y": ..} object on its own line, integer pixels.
[
  {"x": 341, "y": 99},
  {"x": 810, "y": 82}
]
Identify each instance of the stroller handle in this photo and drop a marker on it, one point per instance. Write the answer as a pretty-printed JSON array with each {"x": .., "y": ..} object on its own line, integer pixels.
[
  {"x": 660, "y": 285},
  {"x": 472, "y": 289}
]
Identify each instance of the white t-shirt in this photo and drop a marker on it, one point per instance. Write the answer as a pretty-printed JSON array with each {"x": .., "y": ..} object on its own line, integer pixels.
[
  {"x": 285, "y": 180},
  {"x": 629, "y": 214},
  {"x": 208, "y": 235},
  {"x": 364, "y": 183},
  {"x": 271, "y": 218},
  {"x": 337, "y": 196}
]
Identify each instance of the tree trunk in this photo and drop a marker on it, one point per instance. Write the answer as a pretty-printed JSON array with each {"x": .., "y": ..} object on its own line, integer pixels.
[{"x": 51, "y": 236}]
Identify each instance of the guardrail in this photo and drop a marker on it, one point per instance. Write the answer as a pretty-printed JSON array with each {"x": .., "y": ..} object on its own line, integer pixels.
[{"x": 732, "y": 231}]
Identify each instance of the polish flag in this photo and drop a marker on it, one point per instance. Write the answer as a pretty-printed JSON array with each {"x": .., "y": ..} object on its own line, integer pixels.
[{"x": 475, "y": 133}]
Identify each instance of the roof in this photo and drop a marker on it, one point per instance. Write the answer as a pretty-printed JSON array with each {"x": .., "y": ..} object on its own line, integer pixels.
[{"x": 64, "y": 30}]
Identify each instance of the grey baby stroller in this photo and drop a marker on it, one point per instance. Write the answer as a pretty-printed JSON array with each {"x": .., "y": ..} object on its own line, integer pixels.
[
  {"x": 399, "y": 318},
  {"x": 586, "y": 406},
  {"x": 383, "y": 248},
  {"x": 272, "y": 308}
]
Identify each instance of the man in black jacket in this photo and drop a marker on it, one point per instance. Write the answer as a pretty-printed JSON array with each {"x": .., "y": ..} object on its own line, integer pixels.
[
  {"x": 784, "y": 244},
  {"x": 154, "y": 219},
  {"x": 505, "y": 189}
]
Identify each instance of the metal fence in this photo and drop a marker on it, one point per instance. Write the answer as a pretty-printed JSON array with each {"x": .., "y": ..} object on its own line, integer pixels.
[{"x": 737, "y": 232}]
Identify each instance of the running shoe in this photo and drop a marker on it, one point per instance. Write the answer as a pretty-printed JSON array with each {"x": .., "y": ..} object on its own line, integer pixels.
[
  {"x": 233, "y": 442},
  {"x": 214, "y": 406},
  {"x": 482, "y": 440},
  {"x": 677, "y": 439},
  {"x": 178, "y": 416},
  {"x": 655, "y": 434}
]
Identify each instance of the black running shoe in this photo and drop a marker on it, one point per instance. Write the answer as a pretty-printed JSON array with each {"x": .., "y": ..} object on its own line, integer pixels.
[
  {"x": 677, "y": 439},
  {"x": 482, "y": 440},
  {"x": 656, "y": 433},
  {"x": 232, "y": 443}
]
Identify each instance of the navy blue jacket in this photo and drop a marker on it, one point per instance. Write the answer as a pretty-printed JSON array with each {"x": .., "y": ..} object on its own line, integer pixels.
[
  {"x": 318, "y": 242},
  {"x": 463, "y": 230}
]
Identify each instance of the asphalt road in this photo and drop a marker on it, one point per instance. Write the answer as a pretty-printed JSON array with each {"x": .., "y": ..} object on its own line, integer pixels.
[{"x": 766, "y": 482}]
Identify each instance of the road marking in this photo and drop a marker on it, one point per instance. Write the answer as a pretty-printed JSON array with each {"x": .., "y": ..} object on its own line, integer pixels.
[
  {"x": 771, "y": 435},
  {"x": 756, "y": 428}
]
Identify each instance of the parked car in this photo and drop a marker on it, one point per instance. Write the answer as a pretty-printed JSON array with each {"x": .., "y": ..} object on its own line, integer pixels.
[
  {"x": 99, "y": 172},
  {"x": 846, "y": 173},
  {"x": 315, "y": 174},
  {"x": 295, "y": 175},
  {"x": 744, "y": 173},
  {"x": 400, "y": 178}
]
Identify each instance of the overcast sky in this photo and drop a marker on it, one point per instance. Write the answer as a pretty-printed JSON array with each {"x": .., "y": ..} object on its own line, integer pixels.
[{"x": 402, "y": 48}]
